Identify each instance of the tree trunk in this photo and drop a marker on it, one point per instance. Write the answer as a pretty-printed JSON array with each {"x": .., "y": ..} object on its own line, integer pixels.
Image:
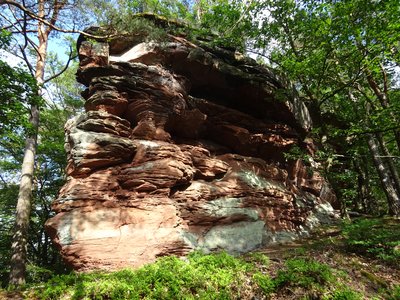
[
  {"x": 384, "y": 176},
  {"x": 369, "y": 203},
  {"x": 362, "y": 188},
  {"x": 199, "y": 9},
  {"x": 389, "y": 160},
  {"x": 20, "y": 237}
]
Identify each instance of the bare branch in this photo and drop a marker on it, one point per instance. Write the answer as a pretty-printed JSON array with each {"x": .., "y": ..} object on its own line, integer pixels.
[
  {"x": 70, "y": 58},
  {"x": 3, "y": 180},
  {"x": 12, "y": 25},
  {"x": 17, "y": 31},
  {"x": 57, "y": 7},
  {"x": 30, "y": 67},
  {"x": 47, "y": 23},
  {"x": 21, "y": 31}
]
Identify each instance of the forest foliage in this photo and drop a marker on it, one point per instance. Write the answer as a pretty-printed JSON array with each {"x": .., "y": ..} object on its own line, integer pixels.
[{"x": 342, "y": 56}]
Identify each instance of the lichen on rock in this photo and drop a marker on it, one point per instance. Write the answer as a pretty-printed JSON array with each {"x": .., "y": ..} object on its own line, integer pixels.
[{"x": 182, "y": 147}]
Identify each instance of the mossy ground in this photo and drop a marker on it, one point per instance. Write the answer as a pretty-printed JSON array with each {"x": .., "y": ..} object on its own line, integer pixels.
[{"x": 359, "y": 260}]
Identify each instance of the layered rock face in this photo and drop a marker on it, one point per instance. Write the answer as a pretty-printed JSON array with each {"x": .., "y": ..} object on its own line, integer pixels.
[{"x": 181, "y": 147}]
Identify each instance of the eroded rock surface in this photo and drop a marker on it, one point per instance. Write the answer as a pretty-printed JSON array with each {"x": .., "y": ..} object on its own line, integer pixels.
[{"x": 182, "y": 147}]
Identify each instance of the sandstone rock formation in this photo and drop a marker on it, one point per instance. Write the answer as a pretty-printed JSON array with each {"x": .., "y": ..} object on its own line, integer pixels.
[{"x": 182, "y": 147}]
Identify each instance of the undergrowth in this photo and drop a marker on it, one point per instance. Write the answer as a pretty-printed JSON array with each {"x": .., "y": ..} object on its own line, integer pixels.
[
  {"x": 214, "y": 276},
  {"x": 298, "y": 274},
  {"x": 309, "y": 279},
  {"x": 375, "y": 238}
]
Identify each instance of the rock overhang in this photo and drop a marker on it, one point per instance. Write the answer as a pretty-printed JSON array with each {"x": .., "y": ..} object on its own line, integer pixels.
[
  {"x": 214, "y": 71},
  {"x": 182, "y": 147}
]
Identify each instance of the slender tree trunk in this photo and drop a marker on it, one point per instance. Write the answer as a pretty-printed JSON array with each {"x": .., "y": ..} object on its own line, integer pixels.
[
  {"x": 363, "y": 193},
  {"x": 384, "y": 176},
  {"x": 369, "y": 203},
  {"x": 20, "y": 237},
  {"x": 390, "y": 163},
  {"x": 199, "y": 9}
]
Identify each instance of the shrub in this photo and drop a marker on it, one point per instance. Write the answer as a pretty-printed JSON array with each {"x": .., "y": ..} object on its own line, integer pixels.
[{"x": 36, "y": 274}]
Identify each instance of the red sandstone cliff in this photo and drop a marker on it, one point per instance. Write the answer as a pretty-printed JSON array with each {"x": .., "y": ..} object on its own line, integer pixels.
[{"x": 181, "y": 147}]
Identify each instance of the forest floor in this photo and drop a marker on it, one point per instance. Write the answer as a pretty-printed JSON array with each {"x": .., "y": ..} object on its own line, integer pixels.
[
  {"x": 370, "y": 276},
  {"x": 360, "y": 260}
]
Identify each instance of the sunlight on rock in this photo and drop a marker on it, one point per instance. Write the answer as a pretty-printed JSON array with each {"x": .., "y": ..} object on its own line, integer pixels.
[{"x": 181, "y": 147}]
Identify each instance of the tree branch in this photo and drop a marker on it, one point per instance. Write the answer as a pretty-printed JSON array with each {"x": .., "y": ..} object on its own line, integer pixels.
[
  {"x": 22, "y": 31},
  {"x": 385, "y": 80},
  {"x": 47, "y": 23},
  {"x": 3, "y": 180},
  {"x": 30, "y": 67},
  {"x": 70, "y": 58},
  {"x": 375, "y": 130},
  {"x": 57, "y": 7}
]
